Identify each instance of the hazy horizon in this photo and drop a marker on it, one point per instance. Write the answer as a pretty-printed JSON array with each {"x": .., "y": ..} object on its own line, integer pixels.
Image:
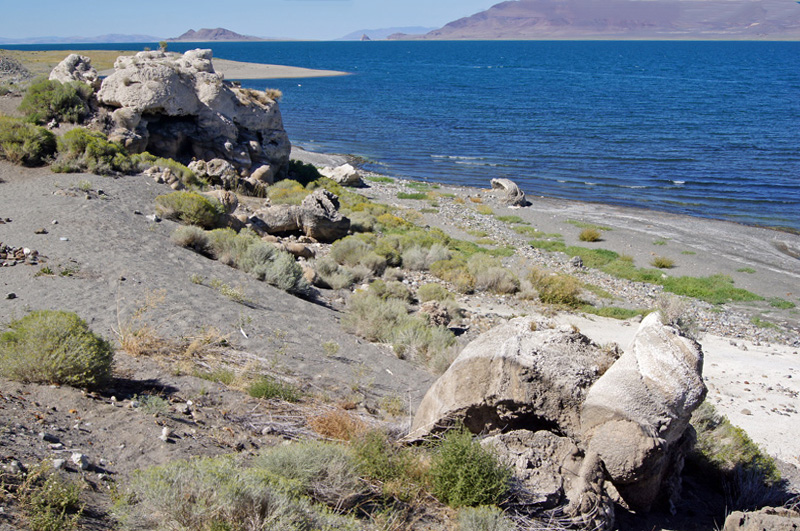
[{"x": 282, "y": 19}]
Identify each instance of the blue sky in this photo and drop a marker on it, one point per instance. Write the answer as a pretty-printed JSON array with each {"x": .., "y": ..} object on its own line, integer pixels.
[{"x": 300, "y": 19}]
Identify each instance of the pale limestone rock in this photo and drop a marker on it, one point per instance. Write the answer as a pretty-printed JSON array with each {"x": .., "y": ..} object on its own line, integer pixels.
[
  {"x": 772, "y": 518},
  {"x": 177, "y": 106},
  {"x": 346, "y": 175},
  {"x": 76, "y": 68},
  {"x": 525, "y": 374},
  {"x": 510, "y": 193}
]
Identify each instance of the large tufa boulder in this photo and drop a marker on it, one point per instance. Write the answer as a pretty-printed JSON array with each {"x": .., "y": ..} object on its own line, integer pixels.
[
  {"x": 772, "y": 518},
  {"x": 177, "y": 106},
  {"x": 317, "y": 217},
  {"x": 346, "y": 175},
  {"x": 636, "y": 415},
  {"x": 525, "y": 374},
  {"x": 76, "y": 68},
  {"x": 510, "y": 193}
]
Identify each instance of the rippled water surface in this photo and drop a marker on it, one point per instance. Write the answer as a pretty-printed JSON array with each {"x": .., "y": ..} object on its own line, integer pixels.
[{"x": 708, "y": 129}]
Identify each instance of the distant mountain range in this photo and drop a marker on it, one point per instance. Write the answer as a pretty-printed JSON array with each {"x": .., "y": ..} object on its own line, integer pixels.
[
  {"x": 627, "y": 19},
  {"x": 215, "y": 34},
  {"x": 383, "y": 33},
  {"x": 110, "y": 38}
]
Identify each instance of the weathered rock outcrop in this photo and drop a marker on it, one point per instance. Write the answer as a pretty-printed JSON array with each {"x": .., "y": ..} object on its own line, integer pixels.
[
  {"x": 317, "y": 216},
  {"x": 346, "y": 175},
  {"x": 177, "y": 106},
  {"x": 576, "y": 436},
  {"x": 774, "y": 519},
  {"x": 510, "y": 193},
  {"x": 636, "y": 414},
  {"x": 76, "y": 68},
  {"x": 525, "y": 374}
]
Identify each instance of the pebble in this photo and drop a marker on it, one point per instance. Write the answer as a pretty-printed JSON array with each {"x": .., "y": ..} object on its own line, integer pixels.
[
  {"x": 11, "y": 295},
  {"x": 166, "y": 433},
  {"x": 80, "y": 460},
  {"x": 59, "y": 464}
]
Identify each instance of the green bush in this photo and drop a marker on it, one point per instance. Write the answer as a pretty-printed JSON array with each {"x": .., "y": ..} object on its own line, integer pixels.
[
  {"x": 219, "y": 494},
  {"x": 464, "y": 473},
  {"x": 326, "y": 472},
  {"x": 50, "y": 502},
  {"x": 484, "y": 518},
  {"x": 556, "y": 288},
  {"x": 82, "y": 150},
  {"x": 268, "y": 387},
  {"x": 456, "y": 272},
  {"x": 392, "y": 289},
  {"x": 24, "y": 143},
  {"x": 302, "y": 173},
  {"x": 54, "y": 347},
  {"x": 228, "y": 246},
  {"x": 190, "y": 208},
  {"x": 46, "y": 100}
]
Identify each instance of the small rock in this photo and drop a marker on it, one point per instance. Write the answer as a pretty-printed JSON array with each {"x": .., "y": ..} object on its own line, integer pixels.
[
  {"x": 59, "y": 464},
  {"x": 46, "y": 437},
  {"x": 746, "y": 412},
  {"x": 80, "y": 460},
  {"x": 15, "y": 467},
  {"x": 166, "y": 433},
  {"x": 54, "y": 222},
  {"x": 40, "y": 230},
  {"x": 63, "y": 239},
  {"x": 154, "y": 218},
  {"x": 137, "y": 212},
  {"x": 11, "y": 295}
]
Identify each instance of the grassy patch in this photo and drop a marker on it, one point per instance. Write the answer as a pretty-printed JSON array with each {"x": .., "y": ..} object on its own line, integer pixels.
[
  {"x": 267, "y": 387},
  {"x": 549, "y": 245},
  {"x": 584, "y": 225},
  {"x": 484, "y": 210},
  {"x": 613, "y": 312},
  {"x": 781, "y": 304},
  {"x": 379, "y": 179},
  {"x": 716, "y": 289},
  {"x": 412, "y": 195},
  {"x": 512, "y": 219},
  {"x": 688, "y": 253},
  {"x": 526, "y": 230},
  {"x": 660, "y": 242},
  {"x": 762, "y": 323},
  {"x": 748, "y": 270}
]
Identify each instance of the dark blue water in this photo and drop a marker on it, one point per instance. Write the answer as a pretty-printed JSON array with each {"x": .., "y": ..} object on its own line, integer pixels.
[{"x": 708, "y": 129}]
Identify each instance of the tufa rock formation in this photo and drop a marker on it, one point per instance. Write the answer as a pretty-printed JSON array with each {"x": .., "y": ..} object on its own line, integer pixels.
[
  {"x": 578, "y": 426},
  {"x": 317, "y": 217},
  {"x": 76, "y": 68},
  {"x": 510, "y": 194},
  {"x": 177, "y": 106}
]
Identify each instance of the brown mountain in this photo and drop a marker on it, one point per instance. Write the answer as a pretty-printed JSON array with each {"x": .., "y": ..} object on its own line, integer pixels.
[
  {"x": 628, "y": 19},
  {"x": 216, "y": 34}
]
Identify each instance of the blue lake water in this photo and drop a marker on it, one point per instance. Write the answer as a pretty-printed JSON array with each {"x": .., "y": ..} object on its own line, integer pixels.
[{"x": 703, "y": 128}]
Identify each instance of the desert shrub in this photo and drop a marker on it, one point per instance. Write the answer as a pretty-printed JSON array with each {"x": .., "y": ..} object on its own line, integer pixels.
[
  {"x": 399, "y": 472},
  {"x": 144, "y": 161},
  {"x": 82, "y": 150},
  {"x": 589, "y": 235},
  {"x": 362, "y": 222},
  {"x": 420, "y": 258},
  {"x": 215, "y": 494},
  {"x": 287, "y": 192},
  {"x": 286, "y": 274},
  {"x": 302, "y": 173},
  {"x": 497, "y": 280},
  {"x": 373, "y": 318},
  {"x": 256, "y": 258},
  {"x": 326, "y": 472},
  {"x": 391, "y": 290},
  {"x": 54, "y": 347},
  {"x": 267, "y": 387},
  {"x": 191, "y": 237},
  {"x": 464, "y": 473},
  {"x": 484, "y": 518},
  {"x": 414, "y": 338},
  {"x": 332, "y": 274},
  {"x": 662, "y": 262},
  {"x": 433, "y": 292},
  {"x": 727, "y": 454},
  {"x": 24, "y": 143},
  {"x": 456, "y": 272},
  {"x": 46, "y": 100},
  {"x": 349, "y": 251},
  {"x": 555, "y": 288},
  {"x": 190, "y": 208},
  {"x": 50, "y": 501},
  {"x": 229, "y": 247}
]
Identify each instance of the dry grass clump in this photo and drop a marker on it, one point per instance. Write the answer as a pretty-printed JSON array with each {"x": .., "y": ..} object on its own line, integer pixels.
[
  {"x": 55, "y": 347},
  {"x": 490, "y": 275},
  {"x": 191, "y": 237},
  {"x": 434, "y": 292},
  {"x": 590, "y": 235},
  {"x": 331, "y": 274},
  {"x": 555, "y": 288},
  {"x": 337, "y": 424},
  {"x": 662, "y": 262},
  {"x": 420, "y": 258}
]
